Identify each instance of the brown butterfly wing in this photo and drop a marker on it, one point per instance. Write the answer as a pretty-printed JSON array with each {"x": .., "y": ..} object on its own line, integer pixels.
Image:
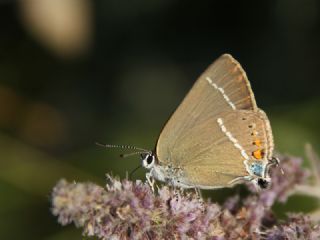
[
  {"x": 230, "y": 143},
  {"x": 191, "y": 135}
]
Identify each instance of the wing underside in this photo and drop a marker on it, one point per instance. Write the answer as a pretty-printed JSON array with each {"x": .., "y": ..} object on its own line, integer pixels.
[{"x": 195, "y": 139}]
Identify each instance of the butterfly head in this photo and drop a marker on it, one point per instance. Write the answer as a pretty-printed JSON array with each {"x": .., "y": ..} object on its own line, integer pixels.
[{"x": 148, "y": 160}]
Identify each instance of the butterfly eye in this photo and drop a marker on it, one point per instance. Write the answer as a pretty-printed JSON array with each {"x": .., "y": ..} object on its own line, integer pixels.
[{"x": 148, "y": 161}]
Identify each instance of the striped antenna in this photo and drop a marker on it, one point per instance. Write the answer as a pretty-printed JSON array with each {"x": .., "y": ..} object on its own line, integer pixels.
[
  {"x": 131, "y": 154},
  {"x": 140, "y": 150}
]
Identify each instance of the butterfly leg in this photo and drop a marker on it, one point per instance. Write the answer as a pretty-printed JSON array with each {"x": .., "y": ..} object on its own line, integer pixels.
[
  {"x": 198, "y": 193},
  {"x": 150, "y": 180},
  {"x": 200, "y": 198},
  {"x": 240, "y": 180}
]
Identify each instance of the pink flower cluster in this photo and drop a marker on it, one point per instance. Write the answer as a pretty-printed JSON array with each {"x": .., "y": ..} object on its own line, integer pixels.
[{"x": 130, "y": 210}]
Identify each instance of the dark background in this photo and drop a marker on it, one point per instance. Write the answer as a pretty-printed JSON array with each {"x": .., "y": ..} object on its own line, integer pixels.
[{"x": 76, "y": 72}]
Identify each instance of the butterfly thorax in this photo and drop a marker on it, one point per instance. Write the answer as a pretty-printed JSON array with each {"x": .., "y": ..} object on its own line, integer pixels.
[{"x": 168, "y": 174}]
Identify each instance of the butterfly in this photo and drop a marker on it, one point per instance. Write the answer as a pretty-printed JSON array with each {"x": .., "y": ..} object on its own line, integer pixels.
[{"x": 217, "y": 137}]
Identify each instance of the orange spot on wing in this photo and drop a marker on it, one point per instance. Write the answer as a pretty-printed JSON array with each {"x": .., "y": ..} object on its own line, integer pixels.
[
  {"x": 258, "y": 154},
  {"x": 257, "y": 142}
]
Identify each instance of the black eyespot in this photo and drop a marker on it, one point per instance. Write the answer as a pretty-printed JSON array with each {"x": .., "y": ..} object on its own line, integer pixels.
[
  {"x": 149, "y": 159},
  {"x": 263, "y": 183}
]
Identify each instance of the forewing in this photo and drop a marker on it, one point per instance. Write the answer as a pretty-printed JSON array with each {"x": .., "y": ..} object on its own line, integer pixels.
[{"x": 223, "y": 86}]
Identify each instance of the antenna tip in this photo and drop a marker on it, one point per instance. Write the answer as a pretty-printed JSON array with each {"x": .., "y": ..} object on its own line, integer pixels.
[{"x": 99, "y": 144}]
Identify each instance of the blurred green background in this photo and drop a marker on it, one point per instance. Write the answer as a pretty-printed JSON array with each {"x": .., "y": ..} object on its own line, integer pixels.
[{"x": 73, "y": 72}]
